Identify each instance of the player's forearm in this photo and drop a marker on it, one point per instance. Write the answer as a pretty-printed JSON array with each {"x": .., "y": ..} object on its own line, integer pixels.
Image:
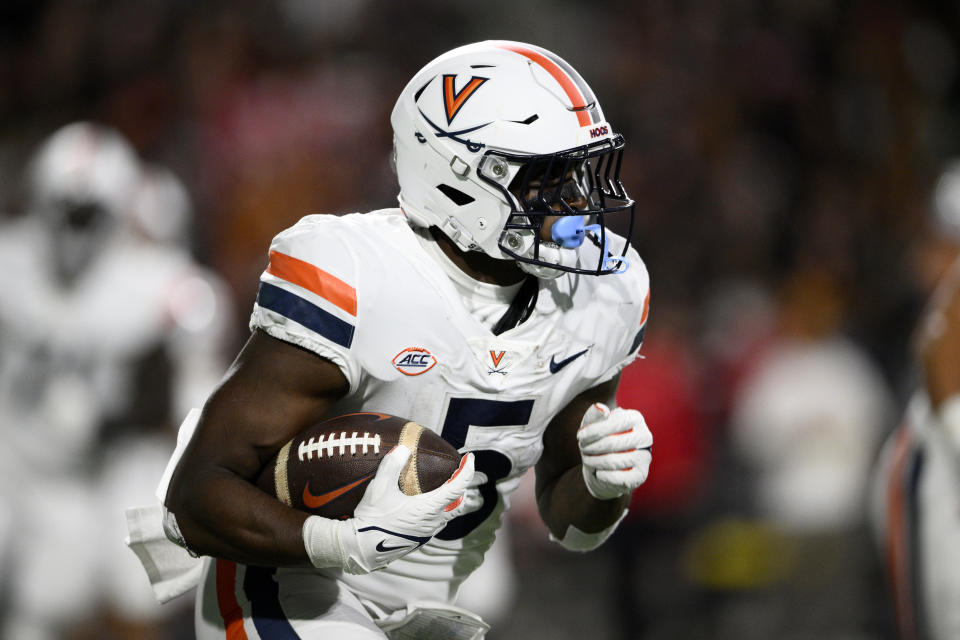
[
  {"x": 942, "y": 378},
  {"x": 939, "y": 341},
  {"x": 272, "y": 391},
  {"x": 939, "y": 350},
  {"x": 567, "y": 502},
  {"x": 222, "y": 515},
  {"x": 941, "y": 363}
]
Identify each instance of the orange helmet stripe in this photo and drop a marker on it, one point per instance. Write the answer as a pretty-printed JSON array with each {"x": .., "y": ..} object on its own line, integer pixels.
[{"x": 569, "y": 86}]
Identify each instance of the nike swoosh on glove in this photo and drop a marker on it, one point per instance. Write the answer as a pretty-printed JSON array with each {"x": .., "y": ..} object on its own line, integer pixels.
[
  {"x": 387, "y": 524},
  {"x": 615, "y": 450}
]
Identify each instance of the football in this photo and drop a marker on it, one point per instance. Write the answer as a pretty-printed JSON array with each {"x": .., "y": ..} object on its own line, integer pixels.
[{"x": 325, "y": 469}]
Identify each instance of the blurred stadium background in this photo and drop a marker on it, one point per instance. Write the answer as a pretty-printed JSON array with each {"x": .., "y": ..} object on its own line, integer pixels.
[{"x": 781, "y": 155}]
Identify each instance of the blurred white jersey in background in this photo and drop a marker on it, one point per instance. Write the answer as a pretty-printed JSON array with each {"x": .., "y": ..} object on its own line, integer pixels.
[{"x": 106, "y": 335}]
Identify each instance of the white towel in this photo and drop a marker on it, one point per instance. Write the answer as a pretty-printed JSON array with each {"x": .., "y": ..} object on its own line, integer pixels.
[{"x": 171, "y": 569}]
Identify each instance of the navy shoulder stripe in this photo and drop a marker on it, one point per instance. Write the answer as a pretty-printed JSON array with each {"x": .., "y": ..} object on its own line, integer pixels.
[
  {"x": 638, "y": 339},
  {"x": 306, "y": 313}
]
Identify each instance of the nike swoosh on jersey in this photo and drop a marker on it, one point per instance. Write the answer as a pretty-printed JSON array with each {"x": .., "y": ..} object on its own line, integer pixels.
[
  {"x": 382, "y": 548},
  {"x": 312, "y": 502},
  {"x": 556, "y": 366}
]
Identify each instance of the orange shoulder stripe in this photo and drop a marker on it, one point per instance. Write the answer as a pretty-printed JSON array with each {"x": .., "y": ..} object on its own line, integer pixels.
[{"x": 311, "y": 278}]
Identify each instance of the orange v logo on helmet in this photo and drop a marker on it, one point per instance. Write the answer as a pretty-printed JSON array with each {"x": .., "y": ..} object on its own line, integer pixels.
[{"x": 453, "y": 100}]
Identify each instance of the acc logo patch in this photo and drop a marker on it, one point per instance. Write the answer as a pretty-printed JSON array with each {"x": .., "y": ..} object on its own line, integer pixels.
[{"x": 414, "y": 361}]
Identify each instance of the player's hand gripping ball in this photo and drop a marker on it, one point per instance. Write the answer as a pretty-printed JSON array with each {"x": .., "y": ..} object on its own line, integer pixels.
[
  {"x": 325, "y": 469},
  {"x": 387, "y": 524},
  {"x": 615, "y": 450}
]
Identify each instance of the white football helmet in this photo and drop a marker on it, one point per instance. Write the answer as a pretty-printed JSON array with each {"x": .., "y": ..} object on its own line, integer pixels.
[
  {"x": 491, "y": 138},
  {"x": 81, "y": 181},
  {"x": 945, "y": 205}
]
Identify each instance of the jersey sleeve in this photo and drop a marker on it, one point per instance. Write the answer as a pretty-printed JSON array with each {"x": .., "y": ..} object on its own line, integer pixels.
[{"x": 308, "y": 292}]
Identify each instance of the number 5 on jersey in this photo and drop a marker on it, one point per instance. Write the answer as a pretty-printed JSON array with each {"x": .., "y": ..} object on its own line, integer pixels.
[{"x": 464, "y": 414}]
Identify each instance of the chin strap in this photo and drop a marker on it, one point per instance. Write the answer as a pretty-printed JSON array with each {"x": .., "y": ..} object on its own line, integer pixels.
[{"x": 521, "y": 307}]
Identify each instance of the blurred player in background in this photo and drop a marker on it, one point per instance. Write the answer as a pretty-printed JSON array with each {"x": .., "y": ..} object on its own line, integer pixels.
[
  {"x": 805, "y": 424},
  {"x": 916, "y": 502},
  {"x": 501, "y": 266},
  {"x": 194, "y": 341},
  {"x": 105, "y": 332}
]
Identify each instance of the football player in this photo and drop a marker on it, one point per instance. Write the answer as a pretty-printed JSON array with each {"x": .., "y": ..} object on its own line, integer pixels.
[
  {"x": 197, "y": 312},
  {"x": 916, "y": 503},
  {"x": 92, "y": 343},
  {"x": 495, "y": 306},
  {"x": 58, "y": 382}
]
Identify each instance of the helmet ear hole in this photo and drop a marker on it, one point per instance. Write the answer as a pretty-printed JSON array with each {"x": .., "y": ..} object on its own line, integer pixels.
[{"x": 458, "y": 197}]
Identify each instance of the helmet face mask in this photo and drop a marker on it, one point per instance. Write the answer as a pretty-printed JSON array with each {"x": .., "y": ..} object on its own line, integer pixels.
[
  {"x": 582, "y": 183},
  {"x": 495, "y": 142},
  {"x": 78, "y": 230},
  {"x": 82, "y": 179}
]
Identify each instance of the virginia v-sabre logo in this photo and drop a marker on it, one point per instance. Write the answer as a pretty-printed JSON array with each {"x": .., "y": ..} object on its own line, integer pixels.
[
  {"x": 454, "y": 100},
  {"x": 495, "y": 358}
]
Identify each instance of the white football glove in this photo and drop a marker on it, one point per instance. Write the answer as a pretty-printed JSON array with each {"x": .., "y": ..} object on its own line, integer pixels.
[
  {"x": 387, "y": 524},
  {"x": 615, "y": 449}
]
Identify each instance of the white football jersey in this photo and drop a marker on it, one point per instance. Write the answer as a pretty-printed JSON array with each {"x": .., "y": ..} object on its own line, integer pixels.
[
  {"x": 69, "y": 363},
  {"x": 361, "y": 291},
  {"x": 67, "y": 353}
]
